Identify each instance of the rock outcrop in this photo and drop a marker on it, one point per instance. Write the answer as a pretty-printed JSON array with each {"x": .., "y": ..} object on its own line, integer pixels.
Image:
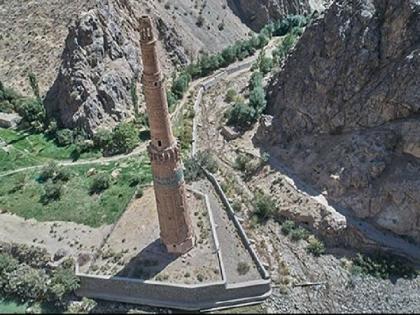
[
  {"x": 257, "y": 13},
  {"x": 99, "y": 65},
  {"x": 346, "y": 110}
]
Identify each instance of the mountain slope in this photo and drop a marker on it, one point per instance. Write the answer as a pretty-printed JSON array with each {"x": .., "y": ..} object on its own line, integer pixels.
[{"x": 346, "y": 109}]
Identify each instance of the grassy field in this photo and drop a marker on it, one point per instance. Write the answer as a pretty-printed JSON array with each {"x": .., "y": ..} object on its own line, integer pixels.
[
  {"x": 76, "y": 204},
  {"x": 9, "y": 307},
  {"x": 25, "y": 149}
]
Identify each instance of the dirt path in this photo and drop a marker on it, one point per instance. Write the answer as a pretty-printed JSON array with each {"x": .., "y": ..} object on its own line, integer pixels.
[{"x": 208, "y": 136}]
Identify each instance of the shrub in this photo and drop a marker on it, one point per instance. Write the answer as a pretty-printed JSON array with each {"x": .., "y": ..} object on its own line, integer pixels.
[
  {"x": 298, "y": 234},
  {"x": 237, "y": 205},
  {"x": 287, "y": 227},
  {"x": 48, "y": 171},
  {"x": 192, "y": 167},
  {"x": 100, "y": 182},
  {"x": 382, "y": 265},
  {"x": 26, "y": 283},
  {"x": 200, "y": 21},
  {"x": 63, "y": 174},
  {"x": 6, "y": 107},
  {"x": 171, "y": 98},
  {"x": 180, "y": 85},
  {"x": 315, "y": 247},
  {"x": 266, "y": 64},
  {"x": 230, "y": 96},
  {"x": 241, "y": 162},
  {"x": 264, "y": 206},
  {"x": 32, "y": 112},
  {"x": 192, "y": 170},
  {"x": 135, "y": 180},
  {"x": 125, "y": 137},
  {"x": 33, "y": 81},
  {"x": 52, "y": 191},
  {"x": 64, "y": 137},
  {"x": 102, "y": 139},
  {"x": 241, "y": 115},
  {"x": 206, "y": 159},
  {"x": 256, "y": 80},
  {"x": 139, "y": 193},
  {"x": 242, "y": 268},
  {"x": 63, "y": 282}
]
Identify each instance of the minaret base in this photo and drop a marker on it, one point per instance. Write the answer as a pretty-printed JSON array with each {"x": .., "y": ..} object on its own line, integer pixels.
[{"x": 180, "y": 249}]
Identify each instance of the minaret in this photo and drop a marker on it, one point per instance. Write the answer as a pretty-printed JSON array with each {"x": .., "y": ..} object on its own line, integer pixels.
[{"x": 174, "y": 216}]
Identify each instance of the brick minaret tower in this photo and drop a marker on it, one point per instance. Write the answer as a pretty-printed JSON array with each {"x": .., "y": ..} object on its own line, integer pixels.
[{"x": 174, "y": 216}]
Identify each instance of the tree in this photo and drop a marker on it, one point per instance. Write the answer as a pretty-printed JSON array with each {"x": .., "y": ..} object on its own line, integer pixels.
[
  {"x": 64, "y": 137},
  {"x": 180, "y": 85},
  {"x": 257, "y": 100},
  {"x": 125, "y": 137},
  {"x": 230, "y": 95},
  {"x": 52, "y": 191},
  {"x": 100, "y": 182},
  {"x": 33, "y": 112},
  {"x": 102, "y": 139},
  {"x": 241, "y": 115},
  {"x": 229, "y": 55},
  {"x": 256, "y": 80},
  {"x": 33, "y": 81},
  {"x": 264, "y": 206},
  {"x": 266, "y": 64},
  {"x": 48, "y": 171}
]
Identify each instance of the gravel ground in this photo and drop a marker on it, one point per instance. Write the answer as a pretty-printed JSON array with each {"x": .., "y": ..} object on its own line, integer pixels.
[{"x": 361, "y": 295}]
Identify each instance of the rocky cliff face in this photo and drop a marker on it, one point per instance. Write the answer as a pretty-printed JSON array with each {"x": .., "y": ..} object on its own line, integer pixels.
[
  {"x": 99, "y": 65},
  {"x": 257, "y": 13},
  {"x": 32, "y": 39},
  {"x": 346, "y": 109},
  {"x": 100, "y": 61}
]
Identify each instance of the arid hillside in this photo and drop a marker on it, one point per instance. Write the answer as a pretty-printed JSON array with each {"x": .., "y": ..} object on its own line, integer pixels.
[{"x": 34, "y": 32}]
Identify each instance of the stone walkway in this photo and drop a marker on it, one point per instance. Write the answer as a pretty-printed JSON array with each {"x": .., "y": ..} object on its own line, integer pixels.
[{"x": 232, "y": 249}]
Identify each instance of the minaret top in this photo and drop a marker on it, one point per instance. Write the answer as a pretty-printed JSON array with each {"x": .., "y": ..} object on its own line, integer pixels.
[{"x": 146, "y": 29}]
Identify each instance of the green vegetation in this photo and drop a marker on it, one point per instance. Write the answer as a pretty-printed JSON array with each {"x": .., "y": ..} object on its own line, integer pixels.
[
  {"x": 230, "y": 96},
  {"x": 245, "y": 115},
  {"x": 287, "y": 227},
  {"x": 184, "y": 129},
  {"x": 315, "y": 246},
  {"x": 31, "y": 109},
  {"x": 125, "y": 137},
  {"x": 100, "y": 183},
  {"x": 207, "y": 64},
  {"x": 22, "y": 193},
  {"x": 26, "y": 149},
  {"x": 22, "y": 281},
  {"x": 12, "y": 307},
  {"x": 382, "y": 265},
  {"x": 247, "y": 164},
  {"x": 193, "y": 165},
  {"x": 264, "y": 206}
]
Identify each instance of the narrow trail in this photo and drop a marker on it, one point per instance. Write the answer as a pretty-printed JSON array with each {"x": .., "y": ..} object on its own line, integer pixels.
[
  {"x": 207, "y": 82},
  {"x": 384, "y": 239}
]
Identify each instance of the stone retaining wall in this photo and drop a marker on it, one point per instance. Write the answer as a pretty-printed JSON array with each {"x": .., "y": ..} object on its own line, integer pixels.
[{"x": 186, "y": 297}]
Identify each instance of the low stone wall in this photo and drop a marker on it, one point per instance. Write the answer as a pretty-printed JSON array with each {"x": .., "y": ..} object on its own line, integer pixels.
[
  {"x": 185, "y": 297},
  {"x": 237, "y": 224}
]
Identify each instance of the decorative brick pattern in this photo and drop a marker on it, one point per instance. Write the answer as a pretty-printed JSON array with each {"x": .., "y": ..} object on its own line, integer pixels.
[{"x": 174, "y": 215}]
